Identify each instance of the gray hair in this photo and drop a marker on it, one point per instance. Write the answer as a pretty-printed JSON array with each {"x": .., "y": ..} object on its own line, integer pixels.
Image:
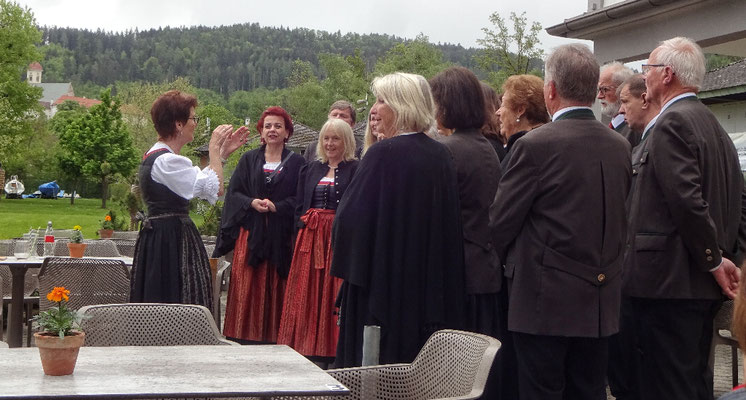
[
  {"x": 619, "y": 72},
  {"x": 409, "y": 97},
  {"x": 575, "y": 72},
  {"x": 686, "y": 59},
  {"x": 344, "y": 105}
]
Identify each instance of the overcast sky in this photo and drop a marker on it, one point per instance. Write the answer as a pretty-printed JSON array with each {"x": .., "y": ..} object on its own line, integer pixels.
[{"x": 452, "y": 21}]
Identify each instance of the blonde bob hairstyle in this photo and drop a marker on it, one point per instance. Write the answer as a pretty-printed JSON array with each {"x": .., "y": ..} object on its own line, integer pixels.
[
  {"x": 409, "y": 98},
  {"x": 339, "y": 127}
]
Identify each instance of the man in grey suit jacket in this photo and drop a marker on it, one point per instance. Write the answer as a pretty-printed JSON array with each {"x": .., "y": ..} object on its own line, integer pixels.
[
  {"x": 685, "y": 211},
  {"x": 558, "y": 223}
]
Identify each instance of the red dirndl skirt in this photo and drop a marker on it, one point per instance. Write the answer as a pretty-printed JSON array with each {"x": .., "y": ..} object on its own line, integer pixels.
[
  {"x": 309, "y": 324},
  {"x": 255, "y": 297}
]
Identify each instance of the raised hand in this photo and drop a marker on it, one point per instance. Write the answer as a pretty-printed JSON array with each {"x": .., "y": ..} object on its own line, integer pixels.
[
  {"x": 234, "y": 140},
  {"x": 219, "y": 135}
]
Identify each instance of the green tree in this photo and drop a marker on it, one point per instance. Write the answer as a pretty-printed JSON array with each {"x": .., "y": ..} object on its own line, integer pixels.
[
  {"x": 505, "y": 53},
  {"x": 18, "y": 100},
  {"x": 418, "y": 56},
  {"x": 137, "y": 98},
  {"x": 67, "y": 112},
  {"x": 98, "y": 145},
  {"x": 301, "y": 73},
  {"x": 218, "y": 115}
]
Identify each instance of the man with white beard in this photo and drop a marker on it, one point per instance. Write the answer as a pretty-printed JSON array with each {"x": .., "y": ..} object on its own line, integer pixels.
[{"x": 612, "y": 76}]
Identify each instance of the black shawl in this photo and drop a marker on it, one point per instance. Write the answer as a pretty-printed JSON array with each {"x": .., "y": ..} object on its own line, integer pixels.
[
  {"x": 271, "y": 233},
  {"x": 397, "y": 244}
]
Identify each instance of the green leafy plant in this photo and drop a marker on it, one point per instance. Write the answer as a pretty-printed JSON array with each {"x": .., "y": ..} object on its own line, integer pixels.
[
  {"x": 106, "y": 223},
  {"x": 77, "y": 235},
  {"x": 59, "y": 320}
]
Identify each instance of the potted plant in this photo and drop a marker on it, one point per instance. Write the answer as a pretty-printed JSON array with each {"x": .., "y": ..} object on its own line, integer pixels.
[
  {"x": 58, "y": 339},
  {"x": 76, "y": 245},
  {"x": 107, "y": 228}
]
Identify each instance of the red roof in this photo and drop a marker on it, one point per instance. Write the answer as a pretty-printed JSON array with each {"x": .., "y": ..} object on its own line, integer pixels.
[
  {"x": 35, "y": 66},
  {"x": 87, "y": 103}
]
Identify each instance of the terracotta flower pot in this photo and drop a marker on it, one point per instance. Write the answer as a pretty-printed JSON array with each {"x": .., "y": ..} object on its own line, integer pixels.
[
  {"x": 58, "y": 356},
  {"x": 105, "y": 233},
  {"x": 76, "y": 249}
]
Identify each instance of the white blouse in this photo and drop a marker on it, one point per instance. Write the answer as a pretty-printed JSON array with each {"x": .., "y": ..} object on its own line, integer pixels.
[{"x": 179, "y": 175}]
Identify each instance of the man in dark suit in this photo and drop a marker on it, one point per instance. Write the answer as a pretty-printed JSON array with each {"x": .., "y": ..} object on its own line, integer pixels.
[
  {"x": 639, "y": 114},
  {"x": 684, "y": 211},
  {"x": 611, "y": 78},
  {"x": 559, "y": 225}
]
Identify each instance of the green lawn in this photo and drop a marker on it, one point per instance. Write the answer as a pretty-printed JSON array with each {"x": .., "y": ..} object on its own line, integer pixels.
[{"x": 17, "y": 216}]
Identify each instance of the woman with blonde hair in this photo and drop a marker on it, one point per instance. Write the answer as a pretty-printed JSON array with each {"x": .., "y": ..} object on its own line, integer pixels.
[
  {"x": 308, "y": 324},
  {"x": 397, "y": 233}
]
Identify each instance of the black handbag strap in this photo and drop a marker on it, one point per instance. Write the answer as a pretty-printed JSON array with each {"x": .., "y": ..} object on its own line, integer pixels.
[{"x": 277, "y": 170}]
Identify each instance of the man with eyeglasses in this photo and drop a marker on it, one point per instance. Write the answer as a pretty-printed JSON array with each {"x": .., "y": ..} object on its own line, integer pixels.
[
  {"x": 685, "y": 213},
  {"x": 611, "y": 77}
]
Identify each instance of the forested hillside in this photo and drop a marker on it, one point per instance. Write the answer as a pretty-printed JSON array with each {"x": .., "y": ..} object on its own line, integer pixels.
[{"x": 223, "y": 59}]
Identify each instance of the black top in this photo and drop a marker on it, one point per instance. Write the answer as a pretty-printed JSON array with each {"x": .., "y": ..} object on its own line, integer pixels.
[
  {"x": 271, "y": 232},
  {"x": 158, "y": 197},
  {"x": 311, "y": 174},
  {"x": 511, "y": 141},
  {"x": 497, "y": 145}
]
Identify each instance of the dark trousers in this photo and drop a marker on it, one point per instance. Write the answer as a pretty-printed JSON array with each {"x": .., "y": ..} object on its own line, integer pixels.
[
  {"x": 561, "y": 368},
  {"x": 623, "y": 356},
  {"x": 674, "y": 338}
]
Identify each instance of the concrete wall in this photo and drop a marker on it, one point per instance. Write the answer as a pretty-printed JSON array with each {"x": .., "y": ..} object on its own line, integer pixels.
[{"x": 732, "y": 116}]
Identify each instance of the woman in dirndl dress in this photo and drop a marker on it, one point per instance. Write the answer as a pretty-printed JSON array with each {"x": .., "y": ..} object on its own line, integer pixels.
[
  {"x": 258, "y": 224},
  {"x": 170, "y": 263},
  {"x": 308, "y": 321}
]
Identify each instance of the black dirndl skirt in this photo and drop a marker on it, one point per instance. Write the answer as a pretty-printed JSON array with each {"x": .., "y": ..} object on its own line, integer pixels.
[{"x": 171, "y": 264}]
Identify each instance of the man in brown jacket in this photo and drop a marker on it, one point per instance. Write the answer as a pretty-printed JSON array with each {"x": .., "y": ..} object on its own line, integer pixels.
[
  {"x": 685, "y": 209},
  {"x": 559, "y": 225}
]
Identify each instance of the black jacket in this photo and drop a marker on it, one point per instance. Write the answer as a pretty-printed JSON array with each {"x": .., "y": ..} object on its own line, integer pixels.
[{"x": 311, "y": 174}]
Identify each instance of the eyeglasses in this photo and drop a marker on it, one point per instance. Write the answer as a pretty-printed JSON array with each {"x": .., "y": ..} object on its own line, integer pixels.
[
  {"x": 195, "y": 118},
  {"x": 647, "y": 67},
  {"x": 606, "y": 89}
]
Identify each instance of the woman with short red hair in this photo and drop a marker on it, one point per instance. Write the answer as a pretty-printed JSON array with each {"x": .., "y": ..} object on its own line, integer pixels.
[
  {"x": 170, "y": 263},
  {"x": 258, "y": 224}
]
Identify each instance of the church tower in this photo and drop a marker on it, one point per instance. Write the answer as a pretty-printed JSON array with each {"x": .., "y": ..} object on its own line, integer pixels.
[{"x": 33, "y": 74}]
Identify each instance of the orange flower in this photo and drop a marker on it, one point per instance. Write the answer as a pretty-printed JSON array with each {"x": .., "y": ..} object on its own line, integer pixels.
[
  {"x": 57, "y": 294},
  {"x": 107, "y": 218}
]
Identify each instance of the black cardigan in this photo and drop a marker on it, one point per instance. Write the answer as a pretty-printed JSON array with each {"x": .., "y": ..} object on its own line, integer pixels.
[
  {"x": 270, "y": 234},
  {"x": 311, "y": 174}
]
